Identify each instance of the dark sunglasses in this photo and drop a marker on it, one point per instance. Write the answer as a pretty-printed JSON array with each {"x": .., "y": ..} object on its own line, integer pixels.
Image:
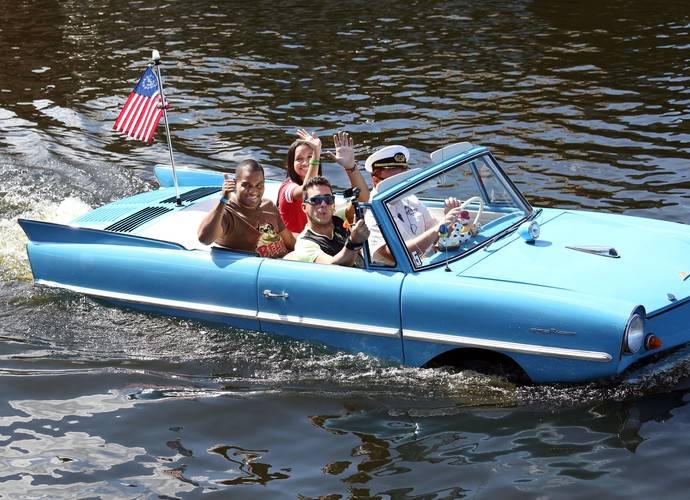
[
  {"x": 390, "y": 166},
  {"x": 328, "y": 199}
]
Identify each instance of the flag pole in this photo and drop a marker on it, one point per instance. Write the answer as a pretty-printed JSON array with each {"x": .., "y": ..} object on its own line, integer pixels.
[{"x": 156, "y": 60}]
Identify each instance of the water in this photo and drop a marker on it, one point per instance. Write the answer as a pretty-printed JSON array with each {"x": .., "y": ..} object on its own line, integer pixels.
[{"x": 585, "y": 103}]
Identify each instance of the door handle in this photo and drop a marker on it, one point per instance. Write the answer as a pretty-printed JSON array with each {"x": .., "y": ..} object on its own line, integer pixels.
[{"x": 270, "y": 295}]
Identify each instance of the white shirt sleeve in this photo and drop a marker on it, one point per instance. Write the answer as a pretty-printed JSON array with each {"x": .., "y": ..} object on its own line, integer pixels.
[
  {"x": 429, "y": 220},
  {"x": 375, "y": 240},
  {"x": 289, "y": 192}
]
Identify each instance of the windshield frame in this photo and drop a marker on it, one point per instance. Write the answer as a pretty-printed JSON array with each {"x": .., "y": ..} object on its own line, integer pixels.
[{"x": 440, "y": 169}]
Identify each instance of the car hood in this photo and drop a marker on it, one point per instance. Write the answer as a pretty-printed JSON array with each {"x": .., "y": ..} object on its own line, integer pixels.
[{"x": 653, "y": 257}]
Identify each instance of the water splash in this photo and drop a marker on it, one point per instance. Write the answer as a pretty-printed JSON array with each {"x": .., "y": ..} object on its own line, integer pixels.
[{"x": 14, "y": 264}]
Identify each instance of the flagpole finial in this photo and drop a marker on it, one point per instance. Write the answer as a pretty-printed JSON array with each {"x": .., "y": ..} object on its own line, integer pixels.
[{"x": 155, "y": 57}]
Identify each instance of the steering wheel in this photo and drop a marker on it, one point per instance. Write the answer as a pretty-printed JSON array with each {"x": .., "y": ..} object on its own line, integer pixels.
[
  {"x": 456, "y": 235},
  {"x": 474, "y": 199}
]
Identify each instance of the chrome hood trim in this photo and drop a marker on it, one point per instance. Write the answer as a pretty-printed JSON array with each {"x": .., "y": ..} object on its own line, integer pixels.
[{"x": 604, "y": 251}]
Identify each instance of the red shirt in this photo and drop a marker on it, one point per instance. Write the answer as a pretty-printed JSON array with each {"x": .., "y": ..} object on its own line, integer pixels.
[{"x": 291, "y": 209}]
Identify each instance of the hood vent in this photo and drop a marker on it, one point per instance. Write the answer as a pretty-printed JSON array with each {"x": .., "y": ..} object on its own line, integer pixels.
[
  {"x": 194, "y": 194},
  {"x": 137, "y": 219}
]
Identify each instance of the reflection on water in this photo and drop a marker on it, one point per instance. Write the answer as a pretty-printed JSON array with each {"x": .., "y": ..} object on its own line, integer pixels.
[
  {"x": 246, "y": 461},
  {"x": 585, "y": 103},
  {"x": 533, "y": 447},
  {"x": 156, "y": 439},
  {"x": 84, "y": 406}
]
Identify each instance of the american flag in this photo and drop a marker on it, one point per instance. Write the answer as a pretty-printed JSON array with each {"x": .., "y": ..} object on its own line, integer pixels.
[{"x": 142, "y": 112}]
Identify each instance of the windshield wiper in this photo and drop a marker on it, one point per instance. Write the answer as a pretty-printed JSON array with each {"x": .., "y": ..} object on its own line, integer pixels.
[
  {"x": 511, "y": 230},
  {"x": 534, "y": 214},
  {"x": 499, "y": 236}
]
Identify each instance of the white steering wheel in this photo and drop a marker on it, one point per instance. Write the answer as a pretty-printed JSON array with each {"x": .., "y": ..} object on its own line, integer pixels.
[{"x": 474, "y": 199}]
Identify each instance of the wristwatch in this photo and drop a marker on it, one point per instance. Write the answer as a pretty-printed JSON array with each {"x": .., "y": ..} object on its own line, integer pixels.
[
  {"x": 223, "y": 200},
  {"x": 354, "y": 167},
  {"x": 351, "y": 245}
]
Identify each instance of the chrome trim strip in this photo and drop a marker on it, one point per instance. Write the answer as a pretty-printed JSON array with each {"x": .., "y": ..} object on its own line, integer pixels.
[
  {"x": 145, "y": 299},
  {"x": 500, "y": 345},
  {"x": 383, "y": 331},
  {"x": 229, "y": 311},
  {"x": 603, "y": 251}
]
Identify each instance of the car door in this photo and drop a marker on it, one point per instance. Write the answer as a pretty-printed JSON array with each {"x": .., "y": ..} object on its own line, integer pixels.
[{"x": 353, "y": 309}]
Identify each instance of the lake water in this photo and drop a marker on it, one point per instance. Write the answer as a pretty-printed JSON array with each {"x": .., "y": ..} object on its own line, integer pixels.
[{"x": 587, "y": 104}]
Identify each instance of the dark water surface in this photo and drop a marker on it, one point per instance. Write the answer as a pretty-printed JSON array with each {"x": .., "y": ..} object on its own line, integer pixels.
[{"x": 586, "y": 103}]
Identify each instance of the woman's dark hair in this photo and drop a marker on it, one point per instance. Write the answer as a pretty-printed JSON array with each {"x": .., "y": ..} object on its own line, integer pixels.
[{"x": 290, "y": 163}]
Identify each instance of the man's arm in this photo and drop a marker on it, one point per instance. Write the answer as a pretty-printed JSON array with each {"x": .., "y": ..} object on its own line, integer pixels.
[
  {"x": 347, "y": 255},
  {"x": 288, "y": 238},
  {"x": 419, "y": 244},
  {"x": 211, "y": 227},
  {"x": 422, "y": 242},
  {"x": 345, "y": 157},
  {"x": 356, "y": 180}
]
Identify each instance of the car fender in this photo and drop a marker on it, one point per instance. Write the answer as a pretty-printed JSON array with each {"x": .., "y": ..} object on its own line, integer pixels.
[{"x": 552, "y": 333}]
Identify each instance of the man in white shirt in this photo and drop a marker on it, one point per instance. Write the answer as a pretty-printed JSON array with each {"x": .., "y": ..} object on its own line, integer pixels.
[{"x": 417, "y": 226}]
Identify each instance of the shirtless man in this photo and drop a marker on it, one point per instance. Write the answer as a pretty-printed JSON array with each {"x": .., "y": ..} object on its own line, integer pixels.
[{"x": 243, "y": 219}]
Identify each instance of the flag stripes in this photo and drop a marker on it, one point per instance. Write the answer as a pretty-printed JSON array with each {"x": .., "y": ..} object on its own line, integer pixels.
[{"x": 142, "y": 111}]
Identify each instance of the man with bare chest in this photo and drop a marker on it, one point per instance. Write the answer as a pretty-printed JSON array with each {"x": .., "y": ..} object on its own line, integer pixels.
[{"x": 243, "y": 219}]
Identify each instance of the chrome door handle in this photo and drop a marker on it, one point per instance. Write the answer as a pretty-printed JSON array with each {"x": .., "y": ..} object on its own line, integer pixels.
[{"x": 270, "y": 295}]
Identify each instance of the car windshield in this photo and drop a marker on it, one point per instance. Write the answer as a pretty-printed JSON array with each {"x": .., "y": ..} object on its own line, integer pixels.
[{"x": 490, "y": 206}]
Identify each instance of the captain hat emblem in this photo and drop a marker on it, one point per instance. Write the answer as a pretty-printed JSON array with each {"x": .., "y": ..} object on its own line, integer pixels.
[{"x": 389, "y": 154}]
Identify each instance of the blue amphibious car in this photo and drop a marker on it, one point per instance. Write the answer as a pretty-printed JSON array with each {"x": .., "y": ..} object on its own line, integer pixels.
[{"x": 556, "y": 295}]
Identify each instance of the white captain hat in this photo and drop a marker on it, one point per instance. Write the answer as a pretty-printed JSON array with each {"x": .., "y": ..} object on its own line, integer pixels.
[{"x": 388, "y": 157}]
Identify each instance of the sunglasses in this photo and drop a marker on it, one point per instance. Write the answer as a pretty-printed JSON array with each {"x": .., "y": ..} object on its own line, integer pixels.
[
  {"x": 328, "y": 199},
  {"x": 393, "y": 166}
]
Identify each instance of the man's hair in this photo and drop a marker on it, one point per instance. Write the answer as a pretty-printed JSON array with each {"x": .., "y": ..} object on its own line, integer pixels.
[
  {"x": 251, "y": 166},
  {"x": 317, "y": 180}
]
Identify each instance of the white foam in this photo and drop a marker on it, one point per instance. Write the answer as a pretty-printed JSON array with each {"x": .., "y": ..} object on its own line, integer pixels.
[
  {"x": 13, "y": 258},
  {"x": 68, "y": 210}
]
